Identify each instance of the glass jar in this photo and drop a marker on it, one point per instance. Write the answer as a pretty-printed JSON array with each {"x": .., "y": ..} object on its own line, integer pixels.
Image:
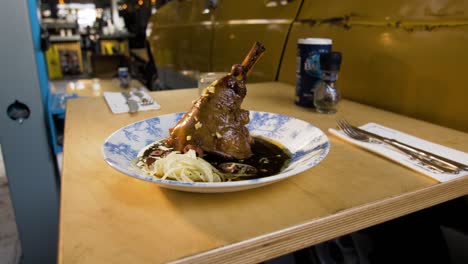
[{"x": 326, "y": 94}]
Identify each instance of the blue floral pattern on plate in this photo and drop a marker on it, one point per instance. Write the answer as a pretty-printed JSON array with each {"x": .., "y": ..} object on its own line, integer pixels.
[{"x": 308, "y": 145}]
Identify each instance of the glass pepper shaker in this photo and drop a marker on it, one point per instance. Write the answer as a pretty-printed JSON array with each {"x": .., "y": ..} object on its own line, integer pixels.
[{"x": 326, "y": 94}]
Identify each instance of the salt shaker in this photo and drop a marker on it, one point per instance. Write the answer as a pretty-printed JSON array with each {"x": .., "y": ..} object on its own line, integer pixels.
[{"x": 327, "y": 95}]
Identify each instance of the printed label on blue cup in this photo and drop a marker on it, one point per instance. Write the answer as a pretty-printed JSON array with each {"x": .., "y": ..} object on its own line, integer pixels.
[{"x": 312, "y": 63}]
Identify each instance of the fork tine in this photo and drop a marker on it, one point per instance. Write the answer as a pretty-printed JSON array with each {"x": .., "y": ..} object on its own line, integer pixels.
[
  {"x": 347, "y": 124},
  {"x": 348, "y": 130},
  {"x": 340, "y": 124},
  {"x": 344, "y": 126}
]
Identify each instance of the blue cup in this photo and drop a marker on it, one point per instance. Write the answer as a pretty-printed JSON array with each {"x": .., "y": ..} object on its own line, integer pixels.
[
  {"x": 308, "y": 71},
  {"x": 124, "y": 77}
]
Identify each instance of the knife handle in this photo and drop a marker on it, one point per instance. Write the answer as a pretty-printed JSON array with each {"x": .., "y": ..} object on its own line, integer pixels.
[
  {"x": 436, "y": 159},
  {"x": 420, "y": 157}
]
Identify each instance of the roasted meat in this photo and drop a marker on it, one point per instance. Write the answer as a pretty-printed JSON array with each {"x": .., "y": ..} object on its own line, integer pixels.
[{"x": 216, "y": 122}]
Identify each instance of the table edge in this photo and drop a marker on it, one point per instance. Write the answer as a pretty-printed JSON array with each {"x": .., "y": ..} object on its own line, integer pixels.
[{"x": 275, "y": 244}]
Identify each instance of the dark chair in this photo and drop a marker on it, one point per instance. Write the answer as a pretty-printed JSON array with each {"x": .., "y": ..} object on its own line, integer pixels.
[
  {"x": 151, "y": 73},
  {"x": 144, "y": 68}
]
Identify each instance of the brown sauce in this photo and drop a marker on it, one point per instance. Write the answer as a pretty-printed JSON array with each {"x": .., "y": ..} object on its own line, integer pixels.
[{"x": 269, "y": 158}]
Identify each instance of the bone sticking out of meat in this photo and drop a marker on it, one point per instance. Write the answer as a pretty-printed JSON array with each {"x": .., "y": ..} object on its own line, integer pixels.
[{"x": 216, "y": 123}]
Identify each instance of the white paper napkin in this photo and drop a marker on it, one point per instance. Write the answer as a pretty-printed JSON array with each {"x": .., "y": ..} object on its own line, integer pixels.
[
  {"x": 118, "y": 103},
  {"x": 395, "y": 155}
]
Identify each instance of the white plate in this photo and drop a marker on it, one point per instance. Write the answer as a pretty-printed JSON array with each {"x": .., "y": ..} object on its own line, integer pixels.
[{"x": 308, "y": 145}]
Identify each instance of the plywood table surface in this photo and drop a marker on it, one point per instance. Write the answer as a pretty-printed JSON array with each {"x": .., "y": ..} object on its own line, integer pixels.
[{"x": 108, "y": 217}]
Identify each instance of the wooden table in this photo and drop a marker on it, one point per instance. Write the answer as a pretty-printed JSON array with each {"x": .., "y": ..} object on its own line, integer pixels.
[
  {"x": 88, "y": 87},
  {"x": 108, "y": 217}
]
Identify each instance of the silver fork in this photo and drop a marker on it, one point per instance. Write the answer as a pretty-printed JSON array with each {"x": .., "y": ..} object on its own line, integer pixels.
[
  {"x": 353, "y": 133},
  {"x": 144, "y": 100}
]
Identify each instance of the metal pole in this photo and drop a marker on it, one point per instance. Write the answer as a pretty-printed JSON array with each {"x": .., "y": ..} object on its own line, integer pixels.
[{"x": 29, "y": 163}]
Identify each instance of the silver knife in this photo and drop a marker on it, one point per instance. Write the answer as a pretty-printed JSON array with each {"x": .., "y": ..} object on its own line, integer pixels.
[
  {"x": 439, "y": 160},
  {"x": 132, "y": 104}
]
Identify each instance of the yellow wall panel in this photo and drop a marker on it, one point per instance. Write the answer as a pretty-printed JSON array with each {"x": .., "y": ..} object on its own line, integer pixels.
[
  {"x": 393, "y": 9},
  {"x": 420, "y": 73},
  {"x": 256, "y": 9},
  {"x": 232, "y": 42},
  {"x": 406, "y": 56},
  {"x": 180, "y": 37}
]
